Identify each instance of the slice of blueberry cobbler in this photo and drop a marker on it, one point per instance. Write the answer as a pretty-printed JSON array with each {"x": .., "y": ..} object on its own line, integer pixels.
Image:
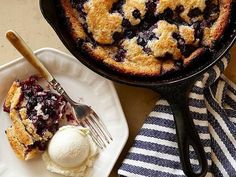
[
  {"x": 146, "y": 37},
  {"x": 35, "y": 113}
]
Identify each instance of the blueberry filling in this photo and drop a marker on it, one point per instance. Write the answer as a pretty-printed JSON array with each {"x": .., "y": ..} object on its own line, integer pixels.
[
  {"x": 129, "y": 33},
  {"x": 167, "y": 14},
  {"x": 42, "y": 146},
  {"x": 147, "y": 50},
  {"x": 144, "y": 37},
  {"x": 180, "y": 40},
  {"x": 185, "y": 49},
  {"x": 151, "y": 6},
  {"x": 198, "y": 33},
  {"x": 126, "y": 23},
  {"x": 151, "y": 18},
  {"x": 117, "y": 36},
  {"x": 145, "y": 25},
  {"x": 177, "y": 18},
  {"x": 194, "y": 12},
  {"x": 120, "y": 55},
  {"x": 211, "y": 12},
  {"x": 176, "y": 36},
  {"x": 167, "y": 56},
  {"x": 136, "y": 14},
  {"x": 117, "y": 7},
  {"x": 179, "y": 9},
  {"x": 43, "y": 107},
  {"x": 152, "y": 36},
  {"x": 141, "y": 41}
]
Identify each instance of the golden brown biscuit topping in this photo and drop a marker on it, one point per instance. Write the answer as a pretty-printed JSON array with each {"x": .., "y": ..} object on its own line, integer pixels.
[
  {"x": 101, "y": 23},
  {"x": 165, "y": 42},
  {"x": 134, "y": 10},
  {"x": 166, "y": 33}
]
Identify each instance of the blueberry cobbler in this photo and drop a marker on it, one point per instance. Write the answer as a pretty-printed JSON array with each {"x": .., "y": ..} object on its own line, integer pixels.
[
  {"x": 145, "y": 37},
  {"x": 35, "y": 113}
]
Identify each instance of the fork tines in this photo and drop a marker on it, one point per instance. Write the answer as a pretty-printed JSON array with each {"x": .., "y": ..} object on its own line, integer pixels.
[{"x": 98, "y": 130}]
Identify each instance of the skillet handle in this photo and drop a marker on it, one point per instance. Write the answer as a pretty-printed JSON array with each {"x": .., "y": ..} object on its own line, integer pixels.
[{"x": 177, "y": 96}]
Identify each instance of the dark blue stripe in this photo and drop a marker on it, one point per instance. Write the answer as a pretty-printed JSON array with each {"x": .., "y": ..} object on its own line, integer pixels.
[
  {"x": 197, "y": 103},
  {"x": 224, "y": 138},
  {"x": 220, "y": 64},
  {"x": 224, "y": 92},
  {"x": 230, "y": 101},
  {"x": 166, "y": 135},
  {"x": 163, "y": 108},
  {"x": 170, "y": 136},
  {"x": 192, "y": 102},
  {"x": 197, "y": 89},
  {"x": 202, "y": 129},
  {"x": 156, "y": 147},
  {"x": 160, "y": 121},
  {"x": 158, "y": 161},
  {"x": 230, "y": 112},
  {"x": 214, "y": 87},
  {"x": 222, "y": 114},
  {"x": 147, "y": 172},
  {"x": 222, "y": 158},
  {"x": 212, "y": 77},
  {"x": 155, "y": 160},
  {"x": 232, "y": 89},
  {"x": 171, "y": 124},
  {"x": 162, "y": 148},
  {"x": 215, "y": 170},
  {"x": 158, "y": 134},
  {"x": 167, "y": 109},
  {"x": 213, "y": 74},
  {"x": 198, "y": 116}
]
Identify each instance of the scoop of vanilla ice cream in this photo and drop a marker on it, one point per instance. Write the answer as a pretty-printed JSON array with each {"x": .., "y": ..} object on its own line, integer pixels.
[
  {"x": 70, "y": 152},
  {"x": 69, "y": 147}
]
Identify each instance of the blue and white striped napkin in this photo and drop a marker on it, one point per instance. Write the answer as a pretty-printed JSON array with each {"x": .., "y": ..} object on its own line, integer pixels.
[{"x": 212, "y": 103}]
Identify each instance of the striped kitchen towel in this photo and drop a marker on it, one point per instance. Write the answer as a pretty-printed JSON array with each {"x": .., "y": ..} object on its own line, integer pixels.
[{"x": 212, "y": 104}]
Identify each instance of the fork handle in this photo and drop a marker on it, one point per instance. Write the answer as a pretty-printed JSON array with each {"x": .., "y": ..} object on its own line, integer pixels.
[{"x": 24, "y": 49}]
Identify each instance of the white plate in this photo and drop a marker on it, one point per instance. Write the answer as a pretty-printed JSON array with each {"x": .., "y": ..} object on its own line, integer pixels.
[{"x": 79, "y": 82}]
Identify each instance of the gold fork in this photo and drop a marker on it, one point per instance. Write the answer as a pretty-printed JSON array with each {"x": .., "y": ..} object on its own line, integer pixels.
[{"x": 85, "y": 115}]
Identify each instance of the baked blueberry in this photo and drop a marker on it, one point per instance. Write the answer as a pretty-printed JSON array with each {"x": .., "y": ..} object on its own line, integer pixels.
[
  {"x": 117, "y": 36},
  {"x": 194, "y": 12},
  {"x": 136, "y": 13},
  {"x": 120, "y": 55},
  {"x": 179, "y": 9},
  {"x": 126, "y": 23},
  {"x": 142, "y": 41}
]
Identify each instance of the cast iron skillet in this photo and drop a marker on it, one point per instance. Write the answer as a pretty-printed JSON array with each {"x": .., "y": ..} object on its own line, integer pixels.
[{"x": 174, "y": 87}]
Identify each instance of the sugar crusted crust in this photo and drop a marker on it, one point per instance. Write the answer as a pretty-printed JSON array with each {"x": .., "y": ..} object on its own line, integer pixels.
[
  {"x": 137, "y": 61},
  {"x": 18, "y": 137}
]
